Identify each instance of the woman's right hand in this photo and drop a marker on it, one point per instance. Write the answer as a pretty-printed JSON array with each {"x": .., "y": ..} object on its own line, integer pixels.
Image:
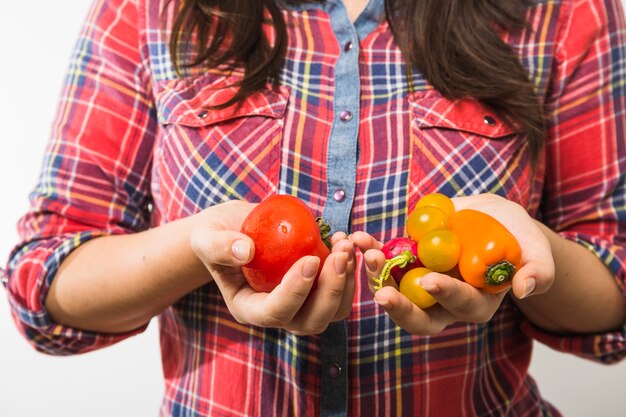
[{"x": 292, "y": 306}]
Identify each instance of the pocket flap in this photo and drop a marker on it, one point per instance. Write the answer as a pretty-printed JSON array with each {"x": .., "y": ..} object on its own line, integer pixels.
[
  {"x": 188, "y": 102},
  {"x": 432, "y": 110}
]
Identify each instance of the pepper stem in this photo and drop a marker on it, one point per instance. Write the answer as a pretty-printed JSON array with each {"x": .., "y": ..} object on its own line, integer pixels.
[
  {"x": 324, "y": 231},
  {"x": 401, "y": 260},
  {"x": 499, "y": 273}
]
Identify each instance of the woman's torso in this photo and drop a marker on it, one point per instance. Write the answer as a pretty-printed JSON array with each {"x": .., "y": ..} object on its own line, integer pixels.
[{"x": 346, "y": 134}]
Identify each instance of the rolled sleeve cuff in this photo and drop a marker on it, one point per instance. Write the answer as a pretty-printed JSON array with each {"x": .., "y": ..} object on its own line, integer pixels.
[
  {"x": 612, "y": 255},
  {"x": 607, "y": 347},
  {"x": 30, "y": 274},
  {"x": 55, "y": 339}
]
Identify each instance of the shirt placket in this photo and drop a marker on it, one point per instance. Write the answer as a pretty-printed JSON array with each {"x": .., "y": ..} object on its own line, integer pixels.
[{"x": 341, "y": 184}]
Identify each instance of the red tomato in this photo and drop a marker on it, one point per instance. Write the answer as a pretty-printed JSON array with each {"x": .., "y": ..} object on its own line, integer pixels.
[{"x": 283, "y": 230}]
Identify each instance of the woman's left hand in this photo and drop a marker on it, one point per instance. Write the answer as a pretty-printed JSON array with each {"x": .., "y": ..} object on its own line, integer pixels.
[
  {"x": 537, "y": 272},
  {"x": 457, "y": 300}
]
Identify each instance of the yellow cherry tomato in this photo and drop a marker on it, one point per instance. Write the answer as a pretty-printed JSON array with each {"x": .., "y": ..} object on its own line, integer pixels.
[
  {"x": 441, "y": 201},
  {"x": 439, "y": 250},
  {"x": 424, "y": 219},
  {"x": 411, "y": 289}
]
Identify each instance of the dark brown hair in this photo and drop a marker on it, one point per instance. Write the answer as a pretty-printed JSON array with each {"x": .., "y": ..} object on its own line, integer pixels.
[{"x": 454, "y": 43}]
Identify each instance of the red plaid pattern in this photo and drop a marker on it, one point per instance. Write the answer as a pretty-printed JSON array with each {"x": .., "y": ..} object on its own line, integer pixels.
[{"x": 130, "y": 136}]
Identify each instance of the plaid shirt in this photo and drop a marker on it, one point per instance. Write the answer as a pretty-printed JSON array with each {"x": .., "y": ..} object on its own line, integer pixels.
[{"x": 132, "y": 147}]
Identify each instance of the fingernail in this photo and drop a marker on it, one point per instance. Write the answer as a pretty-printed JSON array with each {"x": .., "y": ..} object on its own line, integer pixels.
[
  {"x": 429, "y": 286},
  {"x": 384, "y": 304},
  {"x": 310, "y": 268},
  {"x": 241, "y": 250},
  {"x": 529, "y": 286},
  {"x": 351, "y": 253},
  {"x": 340, "y": 265},
  {"x": 370, "y": 266}
]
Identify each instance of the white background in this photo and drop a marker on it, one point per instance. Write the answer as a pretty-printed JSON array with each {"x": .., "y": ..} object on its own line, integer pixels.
[{"x": 36, "y": 40}]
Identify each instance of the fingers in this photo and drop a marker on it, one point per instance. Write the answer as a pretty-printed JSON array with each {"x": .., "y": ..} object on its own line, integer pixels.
[
  {"x": 280, "y": 306},
  {"x": 345, "y": 305},
  {"x": 460, "y": 299},
  {"x": 324, "y": 301},
  {"x": 338, "y": 237},
  {"x": 374, "y": 262},
  {"x": 365, "y": 241},
  {"x": 332, "y": 298},
  {"x": 223, "y": 252},
  {"x": 411, "y": 318},
  {"x": 221, "y": 247},
  {"x": 399, "y": 308},
  {"x": 456, "y": 301},
  {"x": 533, "y": 278},
  {"x": 537, "y": 274},
  {"x": 294, "y": 305},
  {"x": 274, "y": 309}
]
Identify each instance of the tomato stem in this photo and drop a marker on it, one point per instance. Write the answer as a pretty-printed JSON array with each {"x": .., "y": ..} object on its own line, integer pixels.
[
  {"x": 324, "y": 231},
  {"x": 499, "y": 273},
  {"x": 401, "y": 260}
]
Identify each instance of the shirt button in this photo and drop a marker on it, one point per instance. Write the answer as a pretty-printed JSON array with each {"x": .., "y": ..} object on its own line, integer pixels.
[
  {"x": 334, "y": 370},
  {"x": 489, "y": 120},
  {"x": 339, "y": 195},
  {"x": 345, "y": 116},
  {"x": 348, "y": 46},
  {"x": 203, "y": 114}
]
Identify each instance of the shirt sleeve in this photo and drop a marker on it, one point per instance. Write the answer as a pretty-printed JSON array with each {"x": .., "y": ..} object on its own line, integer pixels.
[
  {"x": 585, "y": 189},
  {"x": 94, "y": 178}
]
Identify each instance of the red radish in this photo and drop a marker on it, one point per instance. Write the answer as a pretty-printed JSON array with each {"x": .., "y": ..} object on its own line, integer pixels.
[{"x": 401, "y": 256}]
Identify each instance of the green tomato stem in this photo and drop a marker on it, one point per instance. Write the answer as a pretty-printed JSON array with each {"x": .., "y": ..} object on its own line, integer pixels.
[
  {"x": 401, "y": 260},
  {"x": 499, "y": 273},
  {"x": 324, "y": 231}
]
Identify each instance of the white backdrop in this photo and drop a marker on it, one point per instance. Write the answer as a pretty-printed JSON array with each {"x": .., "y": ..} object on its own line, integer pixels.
[{"x": 36, "y": 39}]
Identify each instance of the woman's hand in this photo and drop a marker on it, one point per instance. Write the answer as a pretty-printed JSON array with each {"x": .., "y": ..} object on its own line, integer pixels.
[
  {"x": 537, "y": 273},
  {"x": 291, "y": 305},
  {"x": 457, "y": 300}
]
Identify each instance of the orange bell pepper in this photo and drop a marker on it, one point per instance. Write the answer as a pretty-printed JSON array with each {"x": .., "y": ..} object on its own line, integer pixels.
[{"x": 490, "y": 254}]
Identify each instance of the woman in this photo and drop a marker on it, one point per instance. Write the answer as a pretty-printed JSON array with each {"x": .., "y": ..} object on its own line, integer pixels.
[{"x": 178, "y": 116}]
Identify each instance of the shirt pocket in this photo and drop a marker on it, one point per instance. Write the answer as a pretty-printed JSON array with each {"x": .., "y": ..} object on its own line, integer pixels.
[
  {"x": 206, "y": 156},
  {"x": 461, "y": 147}
]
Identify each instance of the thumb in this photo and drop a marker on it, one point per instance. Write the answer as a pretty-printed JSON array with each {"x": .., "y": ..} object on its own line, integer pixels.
[
  {"x": 533, "y": 278},
  {"x": 222, "y": 247}
]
